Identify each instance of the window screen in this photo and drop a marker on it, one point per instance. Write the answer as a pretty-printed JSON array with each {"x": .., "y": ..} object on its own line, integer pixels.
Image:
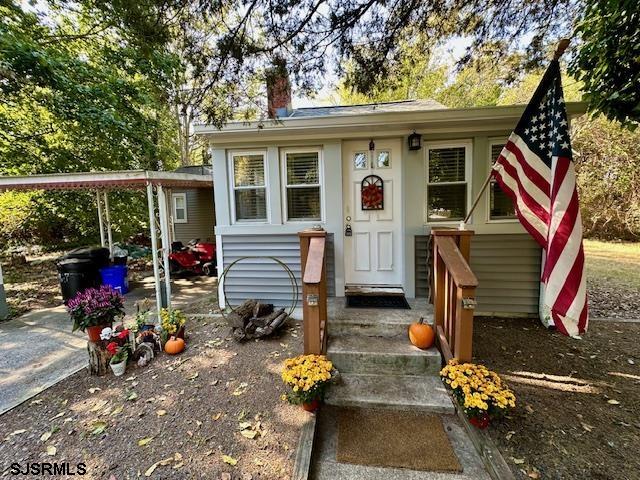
[
  {"x": 500, "y": 206},
  {"x": 447, "y": 184},
  {"x": 302, "y": 184},
  {"x": 249, "y": 187}
]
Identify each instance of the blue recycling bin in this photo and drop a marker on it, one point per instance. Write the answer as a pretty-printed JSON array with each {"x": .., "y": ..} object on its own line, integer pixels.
[{"x": 116, "y": 277}]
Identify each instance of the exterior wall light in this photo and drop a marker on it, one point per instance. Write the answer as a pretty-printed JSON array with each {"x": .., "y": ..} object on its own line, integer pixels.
[{"x": 415, "y": 141}]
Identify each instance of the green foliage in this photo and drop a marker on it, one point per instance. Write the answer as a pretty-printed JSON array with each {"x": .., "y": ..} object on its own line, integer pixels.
[
  {"x": 608, "y": 166},
  {"x": 608, "y": 60},
  {"x": 75, "y": 96}
]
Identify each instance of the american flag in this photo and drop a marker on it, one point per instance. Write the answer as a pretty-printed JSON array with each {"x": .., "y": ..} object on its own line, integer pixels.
[{"x": 536, "y": 170}]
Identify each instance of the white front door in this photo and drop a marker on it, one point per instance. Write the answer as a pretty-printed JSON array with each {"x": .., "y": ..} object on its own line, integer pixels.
[{"x": 373, "y": 251}]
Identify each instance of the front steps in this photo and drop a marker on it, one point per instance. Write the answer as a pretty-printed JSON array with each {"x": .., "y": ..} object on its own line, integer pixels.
[{"x": 379, "y": 368}]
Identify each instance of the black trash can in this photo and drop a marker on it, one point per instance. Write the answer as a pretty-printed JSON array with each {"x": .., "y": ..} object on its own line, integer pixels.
[
  {"x": 76, "y": 275},
  {"x": 80, "y": 269}
]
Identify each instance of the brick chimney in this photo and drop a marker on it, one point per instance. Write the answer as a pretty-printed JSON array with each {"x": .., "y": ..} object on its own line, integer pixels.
[{"x": 278, "y": 90}]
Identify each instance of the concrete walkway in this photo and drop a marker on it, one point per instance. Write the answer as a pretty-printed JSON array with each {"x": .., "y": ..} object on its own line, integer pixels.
[{"x": 38, "y": 349}]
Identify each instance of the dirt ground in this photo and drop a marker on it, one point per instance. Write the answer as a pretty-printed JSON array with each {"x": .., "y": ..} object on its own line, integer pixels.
[
  {"x": 578, "y": 401},
  {"x": 197, "y": 413}
]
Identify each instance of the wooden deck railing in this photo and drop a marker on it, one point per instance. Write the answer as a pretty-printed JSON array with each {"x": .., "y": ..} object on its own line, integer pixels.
[
  {"x": 453, "y": 293},
  {"x": 314, "y": 290}
]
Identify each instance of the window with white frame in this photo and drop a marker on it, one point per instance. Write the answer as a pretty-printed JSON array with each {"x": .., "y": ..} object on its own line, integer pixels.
[
  {"x": 249, "y": 187},
  {"x": 446, "y": 183},
  {"x": 302, "y": 186},
  {"x": 500, "y": 204},
  {"x": 179, "y": 207}
]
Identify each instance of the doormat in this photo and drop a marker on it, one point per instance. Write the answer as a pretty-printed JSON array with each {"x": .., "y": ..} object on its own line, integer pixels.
[
  {"x": 393, "y": 438},
  {"x": 377, "y": 301}
]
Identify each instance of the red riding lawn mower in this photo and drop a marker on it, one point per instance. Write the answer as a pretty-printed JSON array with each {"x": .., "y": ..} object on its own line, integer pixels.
[{"x": 197, "y": 257}]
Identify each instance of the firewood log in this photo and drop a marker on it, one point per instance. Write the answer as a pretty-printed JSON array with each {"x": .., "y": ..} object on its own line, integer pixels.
[
  {"x": 266, "y": 320},
  {"x": 262, "y": 309},
  {"x": 239, "y": 317}
]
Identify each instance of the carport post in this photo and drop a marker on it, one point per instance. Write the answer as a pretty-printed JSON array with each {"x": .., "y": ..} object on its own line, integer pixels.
[
  {"x": 166, "y": 242},
  {"x": 100, "y": 219},
  {"x": 4, "y": 310},
  {"x": 154, "y": 248},
  {"x": 108, "y": 219}
]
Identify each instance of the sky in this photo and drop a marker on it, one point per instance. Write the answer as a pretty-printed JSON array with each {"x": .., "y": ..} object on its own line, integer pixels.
[{"x": 453, "y": 50}]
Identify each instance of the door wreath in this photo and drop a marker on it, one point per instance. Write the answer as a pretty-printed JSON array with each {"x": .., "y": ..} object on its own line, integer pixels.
[{"x": 372, "y": 193}]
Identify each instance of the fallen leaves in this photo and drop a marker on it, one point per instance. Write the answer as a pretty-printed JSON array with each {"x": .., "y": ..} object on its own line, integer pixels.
[
  {"x": 99, "y": 405},
  {"x": 161, "y": 413},
  {"x": 94, "y": 390},
  {"x": 250, "y": 430},
  {"x": 51, "y": 450},
  {"x": 98, "y": 427},
  {"x": 230, "y": 460},
  {"x": 45, "y": 436},
  {"x": 217, "y": 416},
  {"x": 132, "y": 397},
  {"x": 144, "y": 441},
  {"x": 177, "y": 457},
  {"x": 240, "y": 389},
  {"x": 613, "y": 402},
  {"x": 17, "y": 432},
  {"x": 518, "y": 461}
]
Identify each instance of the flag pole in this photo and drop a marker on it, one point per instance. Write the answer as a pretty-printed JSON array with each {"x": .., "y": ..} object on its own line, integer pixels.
[{"x": 562, "y": 45}]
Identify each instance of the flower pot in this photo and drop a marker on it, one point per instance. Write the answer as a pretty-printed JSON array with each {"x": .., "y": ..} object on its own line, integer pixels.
[
  {"x": 311, "y": 406},
  {"x": 118, "y": 368},
  {"x": 94, "y": 332},
  {"x": 481, "y": 421},
  {"x": 180, "y": 333}
]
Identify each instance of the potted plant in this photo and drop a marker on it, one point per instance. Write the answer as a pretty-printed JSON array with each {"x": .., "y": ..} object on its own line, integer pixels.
[
  {"x": 480, "y": 392},
  {"x": 94, "y": 309},
  {"x": 308, "y": 377},
  {"x": 118, "y": 362},
  {"x": 172, "y": 322}
]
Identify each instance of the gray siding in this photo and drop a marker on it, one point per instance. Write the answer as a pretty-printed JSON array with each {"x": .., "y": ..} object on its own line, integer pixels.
[
  {"x": 262, "y": 278},
  {"x": 200, "y": 216},
  {"x": 508, "y": 271}
]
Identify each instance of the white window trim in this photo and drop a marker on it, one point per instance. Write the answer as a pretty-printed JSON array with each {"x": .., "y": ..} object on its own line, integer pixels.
[
  {"x": 492, "y": 142},
  {"x": 233, "y": 188},
  {"x": 284, "y": 185},
  {"x": 174, "y": 203},
  {"x": 468, "y": 174}
]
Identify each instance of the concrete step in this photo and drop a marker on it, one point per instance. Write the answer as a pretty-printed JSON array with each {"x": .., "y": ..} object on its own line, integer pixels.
[
  {"x": 381, "y": 355},
  {"x": 376, "y": 325},
  {"x": 324, "y": 465},
  {"x": 425, "y": 394}
]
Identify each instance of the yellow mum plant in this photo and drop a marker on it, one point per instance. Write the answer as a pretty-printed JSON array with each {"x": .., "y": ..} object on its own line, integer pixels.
[
  {"x": 171, "y": 321},
  {"x": 481, "y": 392},
  {"x": 307, "y": 376}
]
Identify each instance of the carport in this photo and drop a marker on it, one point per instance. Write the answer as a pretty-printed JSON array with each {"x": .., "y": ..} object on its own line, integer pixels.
[{"x": 158, "y": 187}]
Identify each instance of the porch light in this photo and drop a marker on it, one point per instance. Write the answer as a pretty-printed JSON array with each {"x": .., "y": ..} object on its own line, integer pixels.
[
  {"x": 415, "y": 141},
  {"x": 372, "y": 145}
]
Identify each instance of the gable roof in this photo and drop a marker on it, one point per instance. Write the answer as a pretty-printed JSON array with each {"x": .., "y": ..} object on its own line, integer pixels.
[{"x": 361, "y": 109}]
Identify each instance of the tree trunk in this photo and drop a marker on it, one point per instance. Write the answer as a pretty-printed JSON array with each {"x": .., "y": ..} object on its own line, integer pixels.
[{"x": 98, "y": 359}]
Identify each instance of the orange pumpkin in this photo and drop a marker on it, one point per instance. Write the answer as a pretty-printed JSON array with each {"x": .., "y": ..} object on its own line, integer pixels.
[
  {"x": 174, "y": 346},
  {"x": 421, "y": 334}
]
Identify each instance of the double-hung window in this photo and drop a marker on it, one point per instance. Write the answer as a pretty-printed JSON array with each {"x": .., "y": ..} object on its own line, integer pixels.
[
  {"x": 249, "y": 187},
  {"x": 179, "y": 207},
  {"x": 500, "y": 205},
  {"x": 447, "y": 182},
  {"x": 302, "y": 181}
]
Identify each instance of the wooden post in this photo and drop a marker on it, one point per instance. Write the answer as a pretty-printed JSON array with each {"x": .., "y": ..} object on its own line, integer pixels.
[
  {"x": 98, "y": 359},
  {"x": 463, "y": 341},
  {"x": 314, "y": 291},
  {"x": 438, "y": 286}
]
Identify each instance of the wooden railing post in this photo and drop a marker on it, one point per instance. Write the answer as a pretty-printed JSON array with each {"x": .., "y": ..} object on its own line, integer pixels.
[
  {"x": 454, "y": 287},
  {"x": 314, "y": 290}
]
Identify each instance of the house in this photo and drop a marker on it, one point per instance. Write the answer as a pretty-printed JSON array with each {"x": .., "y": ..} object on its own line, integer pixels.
[
  {"x": 192, "y": 210},
  {"x": 377, "y": 178}
]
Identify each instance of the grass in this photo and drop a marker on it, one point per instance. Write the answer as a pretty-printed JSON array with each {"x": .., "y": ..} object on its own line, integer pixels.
[{"x": 613, "y": 262}]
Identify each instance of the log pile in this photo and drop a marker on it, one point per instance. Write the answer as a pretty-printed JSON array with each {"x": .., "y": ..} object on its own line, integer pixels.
[{"x": 253, "y": 319}]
